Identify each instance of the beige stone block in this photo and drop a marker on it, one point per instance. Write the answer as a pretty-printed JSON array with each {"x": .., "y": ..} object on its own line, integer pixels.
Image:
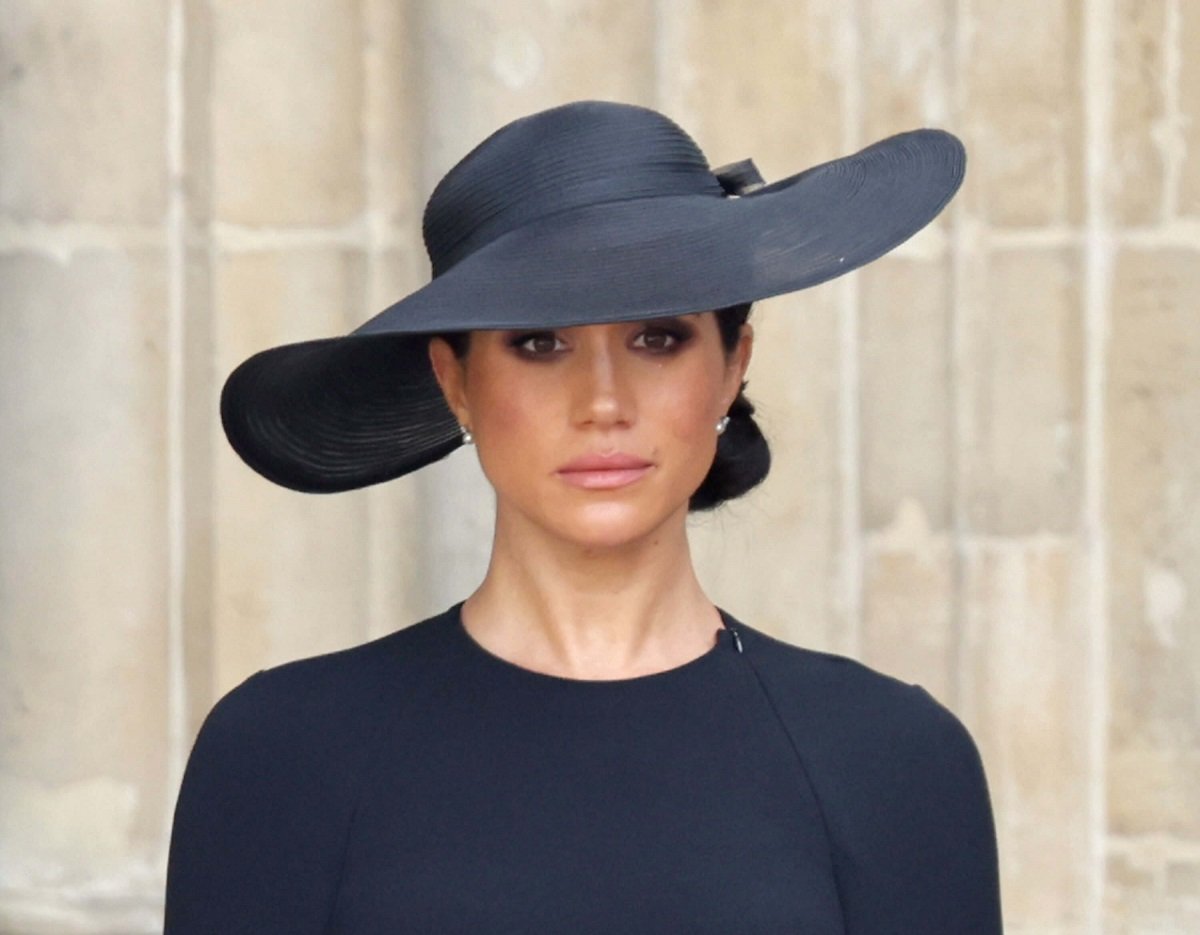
[
  {"x": 764, "y": 83},
  {"x": 196, "y": 85},
  {"x": 1131, "y": 903},
  {"x": 1021, "y": 383},
  {"x": 395, "y": 272},
  {"x": 1141, "y": 138},
  {"x": 199, "y": 392},
  {"x": 83, "y": 110},
  {"x": 393, "y": 118},
  {"x": 410, "y": 576},
  {"x": 83, "y": 566},
  {"x": 904, "y": 336},
  {"x": 456, "y": 527},
  {"x": 1152, "y": 406},
  {"x": 1027, "y": 699},
  {"x": 1187, "y": 44},
  {"x": 908, "y": 603},
  {"x": 286, "y": 104},
  {"x": 1183, "y": 881},
  {"x": 905, "y": 50},
  {"x": 488, "y": 63},
  {"x": 290, "y": 572},
  {"x": 773, "y": 557},
  {"x": 398, "y": 569},
  {"x": 268, "y": 297},
  {"x": 1022, "y": 111},
  {"x": 56, "y": 912},
  {"x": 1148, "y": 893},
  {"x": 1152, "y": 788}
]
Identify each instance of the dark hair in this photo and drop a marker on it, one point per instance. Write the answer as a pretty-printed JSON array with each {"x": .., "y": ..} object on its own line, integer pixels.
[{"x": 743, "y": 456}]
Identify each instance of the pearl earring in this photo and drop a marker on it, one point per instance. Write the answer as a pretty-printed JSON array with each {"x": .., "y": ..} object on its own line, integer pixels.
[
  {"x": 722, "y": 424},
  {"x": 467, "y": 437}
]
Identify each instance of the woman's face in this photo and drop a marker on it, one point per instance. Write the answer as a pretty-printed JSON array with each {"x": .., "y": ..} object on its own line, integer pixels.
[{"x": 597, "y": 434}]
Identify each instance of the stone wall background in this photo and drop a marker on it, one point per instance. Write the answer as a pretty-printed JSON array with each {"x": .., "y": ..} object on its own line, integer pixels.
[{"x": 986, "y": 474}]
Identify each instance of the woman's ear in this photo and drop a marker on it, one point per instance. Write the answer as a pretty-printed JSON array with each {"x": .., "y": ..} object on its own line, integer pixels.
[
  {"x": 448, "y": 370},
  {"x": 739, "y": 362}
]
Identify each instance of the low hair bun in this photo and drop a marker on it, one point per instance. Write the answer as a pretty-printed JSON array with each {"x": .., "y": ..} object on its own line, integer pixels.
[
  {"x": 743, "y": 456},
  {"x": 742, "y": 461}
]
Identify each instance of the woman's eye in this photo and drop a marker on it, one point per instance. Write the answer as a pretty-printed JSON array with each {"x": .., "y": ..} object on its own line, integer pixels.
[
  {"x": 657, "y": 339},
  {"x": 539, "y": 344}
]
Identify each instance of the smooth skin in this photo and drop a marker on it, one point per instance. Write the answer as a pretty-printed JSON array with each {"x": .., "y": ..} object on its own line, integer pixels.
[{"x": 586, "y": 583}]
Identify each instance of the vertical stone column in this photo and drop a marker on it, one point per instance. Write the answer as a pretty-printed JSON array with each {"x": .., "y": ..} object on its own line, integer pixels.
[
  {"x": 84, "y": 539},
  {"x": 289, "y": 260},
  {"x": 906, "y": 370},
  {"x": 398, "y": 575},
  {"x": 1154, "y": 738},
  {"x": 1025, "y": 681},
  {"x": 1152, "y": 402}
]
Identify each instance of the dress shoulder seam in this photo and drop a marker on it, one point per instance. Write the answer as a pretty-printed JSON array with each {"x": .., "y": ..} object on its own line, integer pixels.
[{"x": 787, "y": 732}]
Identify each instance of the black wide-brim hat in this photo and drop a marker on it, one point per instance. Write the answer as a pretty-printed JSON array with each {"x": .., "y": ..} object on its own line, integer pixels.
[{"x": 585, "y": 213}]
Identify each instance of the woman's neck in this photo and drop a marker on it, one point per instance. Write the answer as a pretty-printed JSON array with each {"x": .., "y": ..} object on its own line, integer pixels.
[{"x": 588, "y": 612}]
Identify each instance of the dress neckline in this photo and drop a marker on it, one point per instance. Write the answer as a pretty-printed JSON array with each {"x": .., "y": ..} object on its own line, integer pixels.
[{"x": 726, "y": 641}]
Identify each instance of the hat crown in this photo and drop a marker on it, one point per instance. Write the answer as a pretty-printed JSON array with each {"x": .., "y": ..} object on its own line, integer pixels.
[{"x": 573, "y": 156}]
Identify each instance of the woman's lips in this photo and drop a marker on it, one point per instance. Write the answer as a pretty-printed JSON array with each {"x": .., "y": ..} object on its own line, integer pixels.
[{"x": 604, "y": 472}]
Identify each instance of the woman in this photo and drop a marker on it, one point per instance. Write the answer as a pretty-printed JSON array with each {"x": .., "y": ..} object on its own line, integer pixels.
[{"x": 586, "y": 743}]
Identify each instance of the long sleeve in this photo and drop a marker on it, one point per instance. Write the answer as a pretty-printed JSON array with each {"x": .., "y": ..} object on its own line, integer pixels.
[
  {"x": 260, "y": 821},
  {"x": 918, "y": 846},
  {"x": 902, "y": 791}
]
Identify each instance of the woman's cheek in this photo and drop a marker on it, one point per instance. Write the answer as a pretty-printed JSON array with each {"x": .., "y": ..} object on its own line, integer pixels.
[
  {"x": 686, "y": 415},
  {"x": 514, "y": 432}
]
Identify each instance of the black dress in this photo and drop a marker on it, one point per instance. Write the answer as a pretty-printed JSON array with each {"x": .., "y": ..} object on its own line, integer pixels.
[{"x": 419, "y": 783}]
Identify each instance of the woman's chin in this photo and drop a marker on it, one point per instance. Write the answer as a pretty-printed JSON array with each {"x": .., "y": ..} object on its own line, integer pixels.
[{"x": 612, "y": 525}]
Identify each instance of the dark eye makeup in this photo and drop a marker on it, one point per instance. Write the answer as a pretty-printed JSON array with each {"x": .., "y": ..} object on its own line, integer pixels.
[
  {"x": 534, "y": 344},
  {"x": 665, "y": 336},
  {"x": 662, "y": 336}
]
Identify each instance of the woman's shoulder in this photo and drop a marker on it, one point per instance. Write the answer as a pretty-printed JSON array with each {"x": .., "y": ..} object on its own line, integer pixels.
[
  {"x": 333, "y": 695},
  {"x": 850, "y": 710},
  {"x": 804, "y": 669},
  {"x": 901, "y": 787},
  {"x": 272, "y": 781}
]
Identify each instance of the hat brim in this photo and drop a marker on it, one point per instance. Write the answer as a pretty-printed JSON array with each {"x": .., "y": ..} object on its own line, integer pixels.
[{"x": 340, "y": 413}]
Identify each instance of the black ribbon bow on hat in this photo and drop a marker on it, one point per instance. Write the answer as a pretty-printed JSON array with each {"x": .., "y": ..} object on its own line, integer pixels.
[{"x": 739, "y": 178}]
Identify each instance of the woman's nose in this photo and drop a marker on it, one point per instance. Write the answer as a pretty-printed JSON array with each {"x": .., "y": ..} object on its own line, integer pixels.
[{"x": 603, "y": 394}]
